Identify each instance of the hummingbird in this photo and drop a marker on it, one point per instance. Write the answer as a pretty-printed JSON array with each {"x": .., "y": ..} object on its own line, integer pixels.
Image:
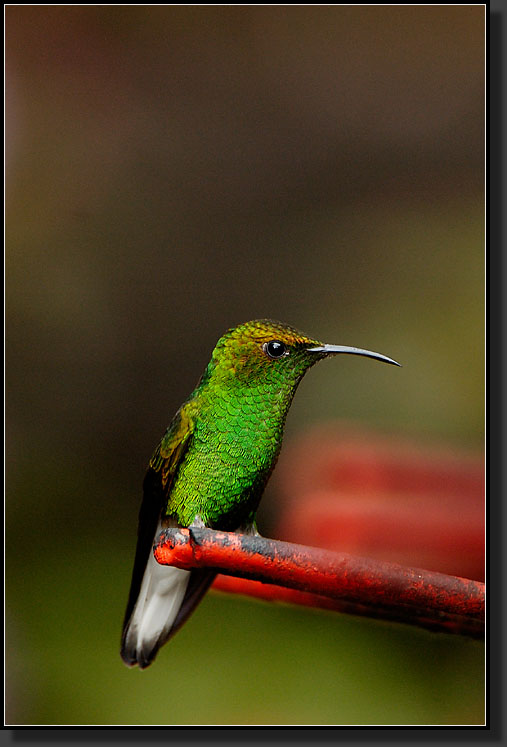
[{"x": 212, "y": 465}]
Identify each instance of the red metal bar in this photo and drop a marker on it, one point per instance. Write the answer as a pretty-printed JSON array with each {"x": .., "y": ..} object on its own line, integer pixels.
[
  {"x": 272, "y": 593},
  {"x": 354, "y": 584}
]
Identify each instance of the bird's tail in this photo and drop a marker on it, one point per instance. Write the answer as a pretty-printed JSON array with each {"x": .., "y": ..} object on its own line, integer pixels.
[{"x": 166, "y": 598}]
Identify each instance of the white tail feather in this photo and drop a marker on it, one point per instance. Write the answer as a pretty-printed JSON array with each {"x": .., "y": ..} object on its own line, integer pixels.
[{"x": 160, "y": 597}]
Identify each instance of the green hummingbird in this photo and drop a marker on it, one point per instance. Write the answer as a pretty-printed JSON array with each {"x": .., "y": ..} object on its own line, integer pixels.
[{"x": 212, "y": 465}]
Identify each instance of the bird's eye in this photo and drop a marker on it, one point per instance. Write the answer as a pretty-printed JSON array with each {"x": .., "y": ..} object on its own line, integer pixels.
[{"x": 275, "y": 349}]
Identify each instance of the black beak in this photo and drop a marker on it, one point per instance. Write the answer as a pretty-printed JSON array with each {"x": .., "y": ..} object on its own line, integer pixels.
[{"x": 335, "y": 349}]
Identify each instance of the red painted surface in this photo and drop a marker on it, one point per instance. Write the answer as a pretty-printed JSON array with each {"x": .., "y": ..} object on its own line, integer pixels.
[
  {"x": 404, "y": 593},
  {"x": 273, "y": 593},
  {"x": 385, "y": 498}
]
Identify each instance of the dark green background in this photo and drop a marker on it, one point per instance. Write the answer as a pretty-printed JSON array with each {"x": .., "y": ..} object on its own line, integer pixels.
[{"x": 171, "y": 172}]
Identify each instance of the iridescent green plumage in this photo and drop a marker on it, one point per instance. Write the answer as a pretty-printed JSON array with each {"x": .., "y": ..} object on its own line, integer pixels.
[
  {"x": 231, "y": 426},
  {"x": 212, "y": 465}
]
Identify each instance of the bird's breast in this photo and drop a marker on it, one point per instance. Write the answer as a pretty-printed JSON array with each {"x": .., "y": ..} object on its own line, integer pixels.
[{"x": 224, "y": 471}]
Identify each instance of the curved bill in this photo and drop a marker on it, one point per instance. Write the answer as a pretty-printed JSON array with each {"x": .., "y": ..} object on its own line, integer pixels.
[{"x": 335, "y": 349}]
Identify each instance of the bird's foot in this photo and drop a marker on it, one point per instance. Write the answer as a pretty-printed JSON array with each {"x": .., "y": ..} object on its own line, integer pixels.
[
  {"x": 250, "y": 529},
  {"x": 197, "y": 523}
]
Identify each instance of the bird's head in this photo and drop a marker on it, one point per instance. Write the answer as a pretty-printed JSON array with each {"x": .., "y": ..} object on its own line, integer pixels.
[{"x": 269, "y": 353}]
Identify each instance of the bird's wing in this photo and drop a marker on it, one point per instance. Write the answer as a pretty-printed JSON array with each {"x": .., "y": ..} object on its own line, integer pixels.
[
  {"x": 156, "y": 487},
  {"x": 173, "y": 445}
]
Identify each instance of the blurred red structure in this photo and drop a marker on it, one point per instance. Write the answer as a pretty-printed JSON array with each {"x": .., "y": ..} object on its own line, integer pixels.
[{"x": 357, "y": 492}]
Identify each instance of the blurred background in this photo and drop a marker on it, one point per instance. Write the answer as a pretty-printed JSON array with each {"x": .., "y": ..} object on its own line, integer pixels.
[{"x": 173, "y": 171}]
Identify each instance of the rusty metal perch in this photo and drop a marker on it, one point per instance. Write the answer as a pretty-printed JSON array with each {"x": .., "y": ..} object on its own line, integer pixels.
[{"x": 332, "y": 580}]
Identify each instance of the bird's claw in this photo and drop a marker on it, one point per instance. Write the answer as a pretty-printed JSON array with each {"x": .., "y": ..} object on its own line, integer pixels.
[{"x": 197, "y": 523}]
